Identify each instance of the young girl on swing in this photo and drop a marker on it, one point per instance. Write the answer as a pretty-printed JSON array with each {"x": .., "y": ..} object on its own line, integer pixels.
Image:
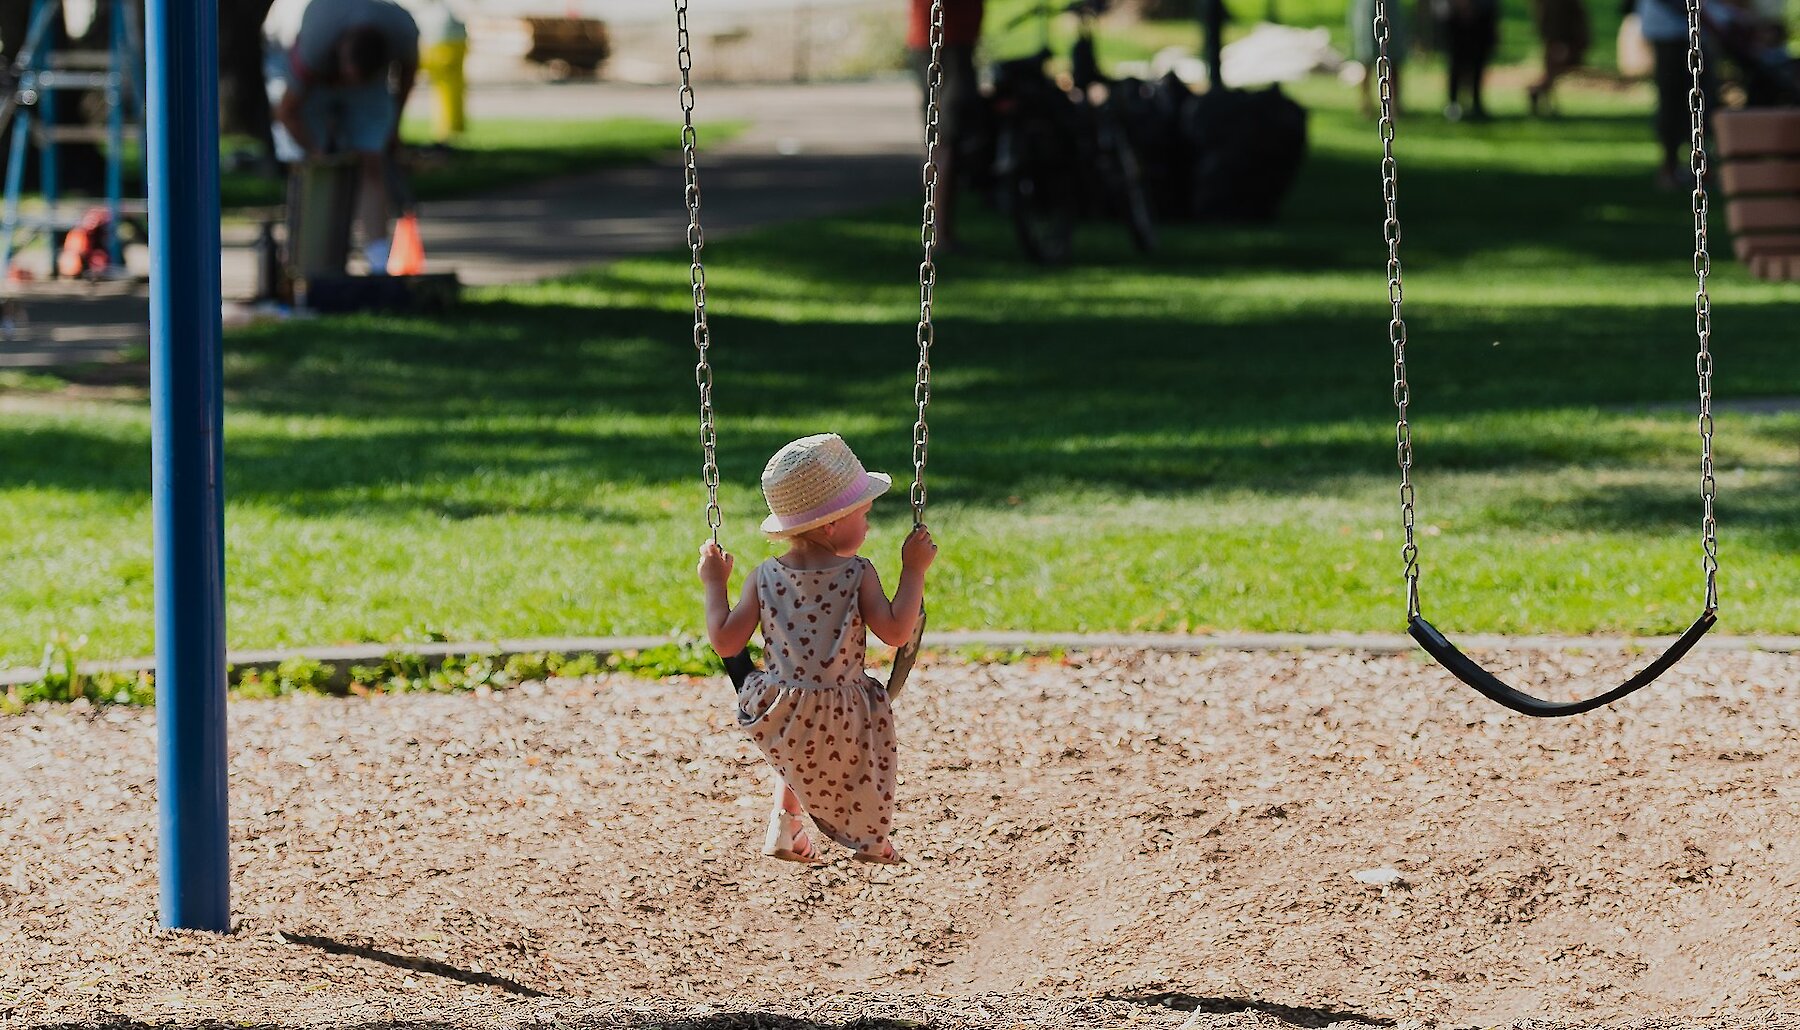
[{"x": 820, "y": 719}]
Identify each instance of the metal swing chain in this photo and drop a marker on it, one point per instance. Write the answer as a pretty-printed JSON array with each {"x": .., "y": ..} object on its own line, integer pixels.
[
  {"x": 1702, "y": 307},
  {"x": 927, "y": 334},
  {"x": 1703, "y": 368},
  {"x": 696, "y": 238},
  {"x": 1396, "y": 322}
]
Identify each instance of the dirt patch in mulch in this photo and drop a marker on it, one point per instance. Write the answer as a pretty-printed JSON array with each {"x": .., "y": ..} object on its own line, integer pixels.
[{"x": 1109, "y": 840}]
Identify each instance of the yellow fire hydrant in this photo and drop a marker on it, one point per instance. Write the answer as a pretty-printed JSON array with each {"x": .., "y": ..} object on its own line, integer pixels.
[{"x": 443, "y": 43}]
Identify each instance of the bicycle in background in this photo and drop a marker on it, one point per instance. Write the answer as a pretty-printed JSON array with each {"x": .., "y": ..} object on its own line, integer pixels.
[{"x": 1060, "y": 153}]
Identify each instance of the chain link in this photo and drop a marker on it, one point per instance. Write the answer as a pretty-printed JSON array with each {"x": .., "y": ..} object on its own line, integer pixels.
[
  {"x": 1390, "y": 195},
  {"x": 1703, "y": 365},
  {"x": 696, "y": 238},
  {"x": 927, "y": 334}
]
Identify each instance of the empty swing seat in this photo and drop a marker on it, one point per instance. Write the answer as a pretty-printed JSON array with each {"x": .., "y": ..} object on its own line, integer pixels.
[{"x": 1760, "y": 149}]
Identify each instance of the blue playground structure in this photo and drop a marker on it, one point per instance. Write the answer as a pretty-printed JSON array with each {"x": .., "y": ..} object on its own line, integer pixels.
[{"x": 39, "y": 73}]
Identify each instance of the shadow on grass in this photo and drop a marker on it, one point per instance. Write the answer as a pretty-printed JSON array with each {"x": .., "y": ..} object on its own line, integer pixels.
[
  {"x": 1145, "y": 378},
  {"x": 585, "y": 398},
  {"x": 1769, "y": 508}
]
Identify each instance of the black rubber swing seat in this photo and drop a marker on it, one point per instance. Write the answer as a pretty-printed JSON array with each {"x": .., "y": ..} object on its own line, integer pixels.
[
  {"x": 739, "y": 666},
  {"x": 1469, "y": 671}
]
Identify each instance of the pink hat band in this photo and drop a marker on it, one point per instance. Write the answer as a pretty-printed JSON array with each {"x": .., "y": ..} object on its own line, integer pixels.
[{"x": 851, "y": 495}]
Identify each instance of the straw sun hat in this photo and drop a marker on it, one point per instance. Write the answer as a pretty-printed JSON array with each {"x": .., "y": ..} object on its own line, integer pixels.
[{"x": 815, "y": 480}]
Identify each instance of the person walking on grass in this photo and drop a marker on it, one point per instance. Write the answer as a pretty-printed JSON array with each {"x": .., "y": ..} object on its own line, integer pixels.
[
  {"x": 1665, "y": 26},
  {"x": 823, "y": 723},
  {"x": 1364, "y": 49},
  {"x": 959, "y": 94},
  {"x": 1563, "y": 27},
  {"x": 339, "y": 73},
  {"x": 1470, "y": 30}
]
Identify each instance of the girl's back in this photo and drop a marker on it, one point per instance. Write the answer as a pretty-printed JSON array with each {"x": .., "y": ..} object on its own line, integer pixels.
[{"x": 812, "y": 630}]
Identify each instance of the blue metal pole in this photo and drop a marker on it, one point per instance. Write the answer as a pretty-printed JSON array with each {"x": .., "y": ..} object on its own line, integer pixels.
[
  {"x": 115, "y": 137},
  {"x": 47, "y": 169},
  {"x": 187, "y": 460},
  {"x": 15, "y": 179}
]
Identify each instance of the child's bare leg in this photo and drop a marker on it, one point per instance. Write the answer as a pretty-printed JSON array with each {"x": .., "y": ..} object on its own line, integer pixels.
[{"x": 788, "y": 838}]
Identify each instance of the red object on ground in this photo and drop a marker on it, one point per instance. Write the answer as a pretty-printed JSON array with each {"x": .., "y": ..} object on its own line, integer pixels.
[
  {"x": 962, "y": 23},
  {"x": 407, "y": 257},
  {"x": 84, "y": 248}
]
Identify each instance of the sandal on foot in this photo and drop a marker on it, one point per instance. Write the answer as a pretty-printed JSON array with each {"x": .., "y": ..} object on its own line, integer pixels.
[
  {"x": 884, "y": 855},
  {"x": 787, "y": 838}
]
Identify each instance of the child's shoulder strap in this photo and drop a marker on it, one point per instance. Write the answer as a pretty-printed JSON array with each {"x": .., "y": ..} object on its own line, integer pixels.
[{"x": 760, "y": 574}]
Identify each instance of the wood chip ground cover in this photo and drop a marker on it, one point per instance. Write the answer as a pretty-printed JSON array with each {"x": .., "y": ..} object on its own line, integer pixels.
[{"x": 1114, "y": 839}]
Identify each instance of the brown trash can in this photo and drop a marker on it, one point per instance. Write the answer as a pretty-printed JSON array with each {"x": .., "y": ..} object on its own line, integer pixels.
[{"x": 321, "y": 205}]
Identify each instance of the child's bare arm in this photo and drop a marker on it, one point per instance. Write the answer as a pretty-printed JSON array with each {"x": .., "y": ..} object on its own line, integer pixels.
[
  {"x": 893, "y": 621},
  {"x": 728, "y": 628}
]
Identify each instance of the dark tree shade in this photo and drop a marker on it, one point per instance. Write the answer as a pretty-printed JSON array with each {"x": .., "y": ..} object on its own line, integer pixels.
[{"x": 243, "y": 102}]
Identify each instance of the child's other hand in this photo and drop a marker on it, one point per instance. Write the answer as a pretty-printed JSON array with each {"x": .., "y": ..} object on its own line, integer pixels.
[
  {"x": 715, "y": 564},
  {"x": 918, "y": 551}
]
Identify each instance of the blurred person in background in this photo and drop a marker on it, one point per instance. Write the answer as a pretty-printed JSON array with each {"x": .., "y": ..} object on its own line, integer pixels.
[
  {"x": 1470, "y": 30},
  {"x": 957, "y": 95},
  {"x": 1363, "y": 48},
  {"x": 1563, "y": 27},
  {"x": 338, "y": 74},
  {"x": 1665, "y": 26}
]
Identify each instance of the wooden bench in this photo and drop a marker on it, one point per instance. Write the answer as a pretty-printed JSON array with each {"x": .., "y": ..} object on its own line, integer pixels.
[{"x": 1760, "y": 149}]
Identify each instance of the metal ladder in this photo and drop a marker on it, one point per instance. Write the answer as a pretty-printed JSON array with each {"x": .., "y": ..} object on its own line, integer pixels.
[{"x": 28, "y": 110}]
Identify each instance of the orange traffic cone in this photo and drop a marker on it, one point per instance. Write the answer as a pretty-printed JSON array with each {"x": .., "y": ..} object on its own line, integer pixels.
[
  {"x": 72, "y": 261},
  {"x": 407, "y": 257}
]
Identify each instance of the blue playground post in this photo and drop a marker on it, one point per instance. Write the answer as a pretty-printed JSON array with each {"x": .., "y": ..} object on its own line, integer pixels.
[
  {"x": 115, "y": 136},
  {"x": 187, "y": 461}
]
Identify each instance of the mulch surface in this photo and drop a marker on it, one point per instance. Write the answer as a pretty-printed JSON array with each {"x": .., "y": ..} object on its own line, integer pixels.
[{"x": 1114, "y": 839}]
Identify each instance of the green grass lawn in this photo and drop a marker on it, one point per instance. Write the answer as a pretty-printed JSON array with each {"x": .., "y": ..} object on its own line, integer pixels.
[{"x": 1201, "y": 440}]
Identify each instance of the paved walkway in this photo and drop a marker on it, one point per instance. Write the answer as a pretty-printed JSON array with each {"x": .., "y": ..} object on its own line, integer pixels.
[{"x": 808, "y": 150}]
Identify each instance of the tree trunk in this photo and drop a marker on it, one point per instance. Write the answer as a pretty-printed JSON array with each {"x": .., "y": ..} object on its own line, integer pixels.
[
  {"x": 1212, "y": 27},
  {"x": 243, "y": 99}
]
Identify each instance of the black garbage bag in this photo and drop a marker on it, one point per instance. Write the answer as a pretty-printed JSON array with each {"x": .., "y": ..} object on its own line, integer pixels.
[{"x": 1246, "y": 147}]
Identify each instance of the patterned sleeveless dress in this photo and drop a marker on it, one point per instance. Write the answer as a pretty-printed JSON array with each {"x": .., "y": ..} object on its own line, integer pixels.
[{"x": 814, "y": 711}]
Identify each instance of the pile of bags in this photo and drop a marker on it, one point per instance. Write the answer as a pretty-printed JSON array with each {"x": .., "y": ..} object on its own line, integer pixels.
[{"x": 1224, "y": 155}]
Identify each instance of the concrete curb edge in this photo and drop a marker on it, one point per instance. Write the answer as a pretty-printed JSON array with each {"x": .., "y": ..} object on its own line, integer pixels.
[{"x": 1174, "y": 643}]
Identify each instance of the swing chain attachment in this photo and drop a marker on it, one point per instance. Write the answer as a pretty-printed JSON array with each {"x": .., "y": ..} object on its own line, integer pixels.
[
  {"x": 1396, "y": 322},
  {"x": 1703, "y": 364},
  {"x": 696, "y": 238},
  {"x": 927, "y": 334}
]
